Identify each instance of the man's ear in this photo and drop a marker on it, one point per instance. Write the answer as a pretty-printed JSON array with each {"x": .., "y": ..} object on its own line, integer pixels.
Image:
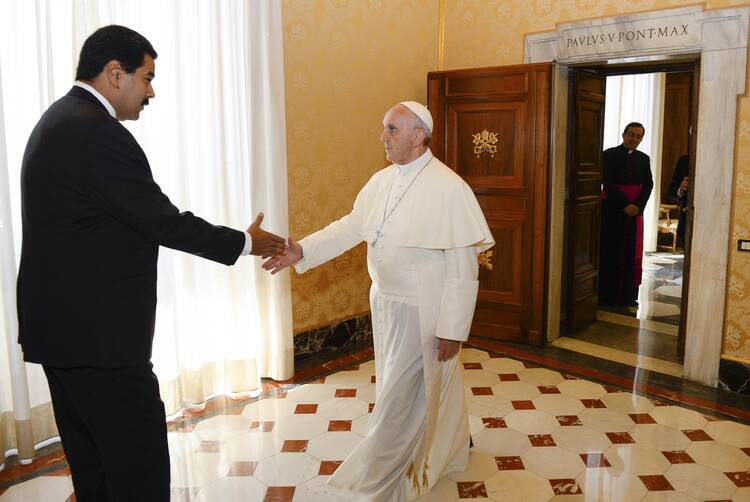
[{"x": 113, "y": 71}]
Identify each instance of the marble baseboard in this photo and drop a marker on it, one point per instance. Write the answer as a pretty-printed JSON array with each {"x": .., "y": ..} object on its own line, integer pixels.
[
  {"x": 348, "y": 334},
  {"x": 734, "y": 376}
]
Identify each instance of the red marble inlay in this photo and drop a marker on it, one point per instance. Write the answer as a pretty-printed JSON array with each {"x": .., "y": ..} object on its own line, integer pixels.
[
  {"x": 481, "y": 391},
  {"x": 494, "y": 423},
  {"x": 593, "y": 403},
  {"x": 471, "y": 490},
  {"x": 279, "y": 494},
  {"x": 741, "y": 479},
  {"x": 508, "y": 377},
  {"x": 711, "y": 418},
  {"x": 658, "y": 402},
  {"x": 541, "y": 440},
  {"x": 697, "y": 435},
  {"x": 509, "y": 463},
  {"x": 523, "y": 405},
  {"x": 746, "y": 450},
  {"x": 656, "y": 483},
  {"x": 612, "y": 390},
  {"x": 569, "y": 377},
  {"x": 642, "y": 418},
  {"x": 595, "y": 460},
  {"x": 339, "y": 425},
  {"x": 568, "y": 420},
  {"x": 678, "y": 457},
  {"x": 548, "y": 389},
  {"x": 472, "y": 366},
  {"x": 328, "y": 467},
  {"x": 372, "y": 379},
  {"x": 262, "y": 426},
  {"x": 565, "y": 487},
  {"x": 346, "y": 392},
  {"x": 209, "y": 447},
  {"x": 15, "y": 471},
  {"x": 71, "y": 497},
  {"x": 294, "y": 446},
  {"x": 65, "y": 471},
  {"x": 319, "y": 380},
  {"x": 529, "y": 365},
  {"x": 370, "y": 407},
  {"x": 306, "y": 409},
  {"x": 620, "y": 437},
  {"x": 242, "y": 468}
]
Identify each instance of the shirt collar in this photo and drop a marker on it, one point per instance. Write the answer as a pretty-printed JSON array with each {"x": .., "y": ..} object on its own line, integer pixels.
[
  {"x": 97, "y": 95},
  {"x": 414, "y": 165}
]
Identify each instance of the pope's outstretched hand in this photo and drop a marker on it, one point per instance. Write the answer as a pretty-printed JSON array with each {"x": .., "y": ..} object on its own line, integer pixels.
[{"x": 279, "y": 263}]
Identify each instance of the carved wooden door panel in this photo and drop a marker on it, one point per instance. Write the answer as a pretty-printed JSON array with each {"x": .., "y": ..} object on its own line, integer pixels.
[{"x": 492, "y": 127}]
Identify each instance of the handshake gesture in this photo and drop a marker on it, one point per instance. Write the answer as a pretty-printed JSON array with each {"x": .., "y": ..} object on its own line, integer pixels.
[{"x": 267, "y": 245}]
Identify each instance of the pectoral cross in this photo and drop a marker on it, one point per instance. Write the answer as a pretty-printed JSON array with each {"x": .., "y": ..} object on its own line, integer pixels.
[{"x": 378, "y": 234}]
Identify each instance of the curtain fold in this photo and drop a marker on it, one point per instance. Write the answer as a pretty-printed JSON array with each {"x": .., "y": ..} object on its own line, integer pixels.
[{"x": 215, "y": 139}]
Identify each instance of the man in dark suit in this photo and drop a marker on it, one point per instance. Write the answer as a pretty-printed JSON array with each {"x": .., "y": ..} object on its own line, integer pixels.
[
  {"x": 678, "y": 190},
  {"x": 93, "y": 221},
  {"x": 626, "y": 187}
]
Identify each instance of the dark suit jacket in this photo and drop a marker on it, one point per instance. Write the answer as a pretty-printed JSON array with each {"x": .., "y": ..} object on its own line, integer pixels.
[
  {"x": 93, "y": 221},
  {"x": 680, "y": 172}
]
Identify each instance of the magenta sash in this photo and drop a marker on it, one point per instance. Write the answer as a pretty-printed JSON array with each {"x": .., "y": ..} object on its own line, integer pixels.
[{"x": 631, "y": 193}]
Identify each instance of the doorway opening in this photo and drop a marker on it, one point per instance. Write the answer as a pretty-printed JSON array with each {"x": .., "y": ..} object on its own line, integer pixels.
[{"x": 651, "y": 249}]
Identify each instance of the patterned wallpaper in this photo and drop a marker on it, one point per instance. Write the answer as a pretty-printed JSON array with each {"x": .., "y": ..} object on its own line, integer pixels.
[
  {"x": 346, "y": 62},
  {"x": 491, "y": 32}
]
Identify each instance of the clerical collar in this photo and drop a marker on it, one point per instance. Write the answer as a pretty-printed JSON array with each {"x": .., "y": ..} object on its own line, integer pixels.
[
  {"x": 415, "y": 164},
  {"x": 97, "y": 95}
]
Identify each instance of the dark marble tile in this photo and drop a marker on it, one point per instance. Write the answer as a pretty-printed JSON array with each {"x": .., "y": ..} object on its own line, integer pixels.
[
  {"x": 734, "y": 376},
  {"x": 353, "y": 332}
]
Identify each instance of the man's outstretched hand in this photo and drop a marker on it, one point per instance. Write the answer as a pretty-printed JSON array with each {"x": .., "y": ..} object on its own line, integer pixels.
[
  {"x": 265, "y": 244},
  {"x": 447, "y": 349},
  {"x": 279, "y": 263}
]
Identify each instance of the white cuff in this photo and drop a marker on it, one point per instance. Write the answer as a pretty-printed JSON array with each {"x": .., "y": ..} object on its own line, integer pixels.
[{"x": 248, "y": 245}]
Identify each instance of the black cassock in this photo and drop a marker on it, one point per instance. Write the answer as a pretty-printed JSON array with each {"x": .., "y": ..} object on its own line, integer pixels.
[{"x": 626, "y": 179}]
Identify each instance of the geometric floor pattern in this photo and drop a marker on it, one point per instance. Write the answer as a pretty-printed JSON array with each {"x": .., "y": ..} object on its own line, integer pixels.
[{"x": 539, "y": 435}]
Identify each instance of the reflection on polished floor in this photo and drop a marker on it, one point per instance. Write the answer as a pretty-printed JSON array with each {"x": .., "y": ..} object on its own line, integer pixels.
[
  {"x": 547, "y": 424},
  {"x": 646, "y": 336}
]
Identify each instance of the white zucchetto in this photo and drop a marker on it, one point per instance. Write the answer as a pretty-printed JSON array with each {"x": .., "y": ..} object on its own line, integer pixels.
[{"x": 420, "y": 111}]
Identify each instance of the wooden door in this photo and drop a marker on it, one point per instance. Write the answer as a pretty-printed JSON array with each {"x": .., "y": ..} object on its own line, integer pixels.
[
  {"x": 583, "y": 205},
  {"x": 492, "y": 127}
]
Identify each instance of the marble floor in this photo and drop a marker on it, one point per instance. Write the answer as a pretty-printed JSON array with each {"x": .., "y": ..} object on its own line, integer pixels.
[{"x": 540, "y": 434}]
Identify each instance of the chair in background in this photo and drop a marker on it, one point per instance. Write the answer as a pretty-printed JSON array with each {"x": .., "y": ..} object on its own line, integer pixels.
[{"x": 668, "y": 224}]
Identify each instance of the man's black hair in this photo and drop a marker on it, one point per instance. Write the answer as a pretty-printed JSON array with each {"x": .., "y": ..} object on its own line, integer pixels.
[
  {"x": 634, "y": 124},
  {"x": 112, "y": 42}
]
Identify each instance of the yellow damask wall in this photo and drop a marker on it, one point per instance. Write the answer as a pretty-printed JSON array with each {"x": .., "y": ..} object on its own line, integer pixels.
[
  {"x": 491, "y": 33},
  {"x": 346, "y": 62}
]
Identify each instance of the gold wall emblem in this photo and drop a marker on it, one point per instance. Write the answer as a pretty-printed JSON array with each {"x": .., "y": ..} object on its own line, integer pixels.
[
  {"x": 485, "y": 259},
  {"x": 485, "y": 142}
]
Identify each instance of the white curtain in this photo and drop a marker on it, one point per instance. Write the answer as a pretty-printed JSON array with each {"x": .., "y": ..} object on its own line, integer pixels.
[
  {"x": 639, "y": 98},
  {"x": 215, "y": 138}
]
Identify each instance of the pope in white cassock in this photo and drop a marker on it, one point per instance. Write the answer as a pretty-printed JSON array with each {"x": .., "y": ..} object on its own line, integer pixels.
[{"x": 424, "y": 229}]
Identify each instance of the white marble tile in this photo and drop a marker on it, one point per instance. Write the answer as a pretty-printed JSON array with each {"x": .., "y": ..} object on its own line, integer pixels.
[
  {"x": 532, "y": 422},
  {"x": 268, "y": 409},
  {"x": 312, "y": 393},
  {"x": 366, "y": 393},
  {"x": 659, "y": 309},
  {"x": 637, "y": 322},
  {"x": 553, "y": 463},
  {"x": 669, "y": 496},
  {"x": 333, "y": 445},
  {"x": 512, "y": 486},
  {"x": 604, "y": 420},
  {"x": 540, "y": 376},
  {"x": 636, "y": 459},
  {"x": 651, "y": 266},
  {"x": 581, "y": 389},
  {"x": 674, "y": 291},
  {"x": 502, "y": 442},
  {"x": 731, "y": 433},
  {"x": 252, "y": 446},
  {"x": 300, "y": 426},
  {"x": 359, "y": 425},
  {"x": 558, "y": 404},
  {"x": 221, "y": 427},
  {"x": 192, "y": 469},
  {"x": 581, "y": 439},
  {"x": 515, "y": 391},
  {"x": 287, "y": 469},
  {"x": 444, "y": 491},
  {"x": 661, "y": 437},
  {"x": 742, "y": 495},
  {"x": 503, "y": 365},
  {"x": 480, "y": 378},
  {"x": 700, "y": 481},
  {"x": 348, "y": 379},
  {"x": 469, "y": 355},
  {"x": 342, "y": 408},
  {"x": 679, "y": 418},
  {"x": 41, "y": 489},
  {"x": 232, "y": 488},
  {"x": 625, "y": 402},
  {"x": 489, "y": 406},
  {"x": 610, "y": 485},
  {"x": 475, "y": 424},
  {"x": 718, "y": 456}
]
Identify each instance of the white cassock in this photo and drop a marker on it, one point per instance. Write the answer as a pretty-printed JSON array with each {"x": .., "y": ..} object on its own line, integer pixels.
[{"x": 424, "y": 229}]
